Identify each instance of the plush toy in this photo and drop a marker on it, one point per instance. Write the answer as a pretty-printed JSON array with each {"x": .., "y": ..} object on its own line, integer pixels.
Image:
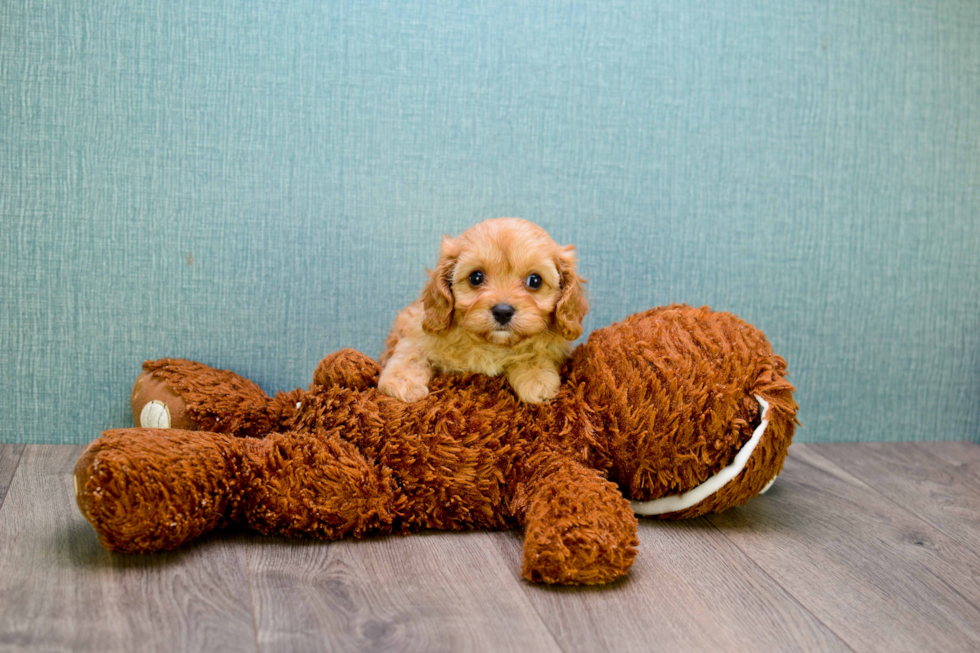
[{"x": 674, "y": 412}]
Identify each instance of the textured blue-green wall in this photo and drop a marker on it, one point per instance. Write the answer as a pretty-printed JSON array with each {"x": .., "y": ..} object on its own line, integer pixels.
[{"x": 255, "y": 183}]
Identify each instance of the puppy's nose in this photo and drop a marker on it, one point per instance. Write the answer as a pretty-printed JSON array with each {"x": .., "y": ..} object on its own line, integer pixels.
[{"x": 502, "y": 313}]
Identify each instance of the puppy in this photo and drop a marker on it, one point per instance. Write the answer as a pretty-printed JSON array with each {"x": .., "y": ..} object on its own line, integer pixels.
[{"x": 503, "y": 299}]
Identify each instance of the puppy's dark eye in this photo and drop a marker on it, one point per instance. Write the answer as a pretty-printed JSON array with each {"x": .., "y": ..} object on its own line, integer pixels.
[
  {"x": 534, "y": 281},
  {"x": 476, "y": 278}
]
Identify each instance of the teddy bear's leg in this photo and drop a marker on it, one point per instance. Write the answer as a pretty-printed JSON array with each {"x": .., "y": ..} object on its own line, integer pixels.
[
  {"x": 148, "y": 490},
  {"x": 151, "y": 489},
  {"x": 347, "y": 368},
  {"x": 182, "y": 394},
  {"x": 315, "y": 484},
  {"x": 578, "y": 528}
]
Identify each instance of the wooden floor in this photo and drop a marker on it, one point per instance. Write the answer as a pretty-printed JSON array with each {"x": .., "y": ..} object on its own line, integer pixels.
[{"x": 870, "y": 547}]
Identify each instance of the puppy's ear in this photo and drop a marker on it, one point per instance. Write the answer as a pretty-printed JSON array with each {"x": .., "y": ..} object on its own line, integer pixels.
[
  {"x": 437, "y": 297},
  {"x": 572, "y": 305}
]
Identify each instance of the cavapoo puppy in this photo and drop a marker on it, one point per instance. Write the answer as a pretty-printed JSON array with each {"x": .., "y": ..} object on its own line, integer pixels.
[{"x": 503, "y": 299}]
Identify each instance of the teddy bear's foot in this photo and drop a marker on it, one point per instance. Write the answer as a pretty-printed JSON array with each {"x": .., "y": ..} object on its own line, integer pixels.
[
  {"x": 181, "y": 394},
  {"x": 148, "y": 490},
  {"x": 156, "y": 406},
  {"x": 578, "y": 528}
]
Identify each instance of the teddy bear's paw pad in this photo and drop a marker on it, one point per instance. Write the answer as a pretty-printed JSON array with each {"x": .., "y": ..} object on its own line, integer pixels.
[{"x": 155, "y": 415}]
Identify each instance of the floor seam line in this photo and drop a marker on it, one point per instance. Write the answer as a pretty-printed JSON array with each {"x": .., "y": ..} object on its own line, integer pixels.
[
  {"x": 544, "y": 623},
  {"x": 251, "y": 598},
  {"x": 20, "y": 457},
  {"x": 914, "y": 513},
  {"x": 796, "y": 600}
]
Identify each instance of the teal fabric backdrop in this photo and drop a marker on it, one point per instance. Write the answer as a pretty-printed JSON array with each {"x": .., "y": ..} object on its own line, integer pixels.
[{"x": 255, "y": 183}]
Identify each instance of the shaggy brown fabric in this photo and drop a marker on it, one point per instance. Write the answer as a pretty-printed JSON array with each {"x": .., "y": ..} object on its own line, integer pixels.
[
  {"x": 677, "y": 388},
  {"x": 650, "y": 406}
]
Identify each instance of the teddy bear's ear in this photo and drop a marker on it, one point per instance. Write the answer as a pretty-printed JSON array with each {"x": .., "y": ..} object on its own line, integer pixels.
[
  {"x": 572, "y": 306},
  {"x": 437, "y": 297}
]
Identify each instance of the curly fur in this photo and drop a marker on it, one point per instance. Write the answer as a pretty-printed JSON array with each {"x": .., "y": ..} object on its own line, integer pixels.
[{"x": 451, "y": 327}]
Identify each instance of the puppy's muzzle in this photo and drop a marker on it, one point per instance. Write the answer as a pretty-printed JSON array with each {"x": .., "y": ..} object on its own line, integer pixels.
[{"x": 502, "y": 313}]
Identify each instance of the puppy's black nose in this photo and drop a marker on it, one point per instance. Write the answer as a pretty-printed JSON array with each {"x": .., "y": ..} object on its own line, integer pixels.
[{"x": 502, "y": 313}]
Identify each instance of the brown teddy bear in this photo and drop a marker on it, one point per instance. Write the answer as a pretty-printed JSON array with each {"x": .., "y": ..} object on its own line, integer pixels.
[{"x": 673, "y": 412}]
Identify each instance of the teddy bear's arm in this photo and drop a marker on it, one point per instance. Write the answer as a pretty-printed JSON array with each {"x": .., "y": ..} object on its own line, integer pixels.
[{"x": 578, "y": 528}]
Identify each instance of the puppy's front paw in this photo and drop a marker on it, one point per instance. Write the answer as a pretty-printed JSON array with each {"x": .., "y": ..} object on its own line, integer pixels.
[
  {"x": 535, "y": 386},
  {"x": 403, "y": 389}
]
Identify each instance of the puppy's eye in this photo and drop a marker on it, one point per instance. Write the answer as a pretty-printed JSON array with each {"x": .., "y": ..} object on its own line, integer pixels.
[
  {"x": 476, "y": 278},
  {"x": 534, "y": 281}
]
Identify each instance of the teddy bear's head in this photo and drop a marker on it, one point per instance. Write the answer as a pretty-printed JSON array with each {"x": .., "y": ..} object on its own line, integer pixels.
[{"x": 679, "y": 393}]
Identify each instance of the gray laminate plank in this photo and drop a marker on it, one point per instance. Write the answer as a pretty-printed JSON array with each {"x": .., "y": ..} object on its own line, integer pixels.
[
  {"x": 937, "y": 481},
  {"x": 956, "y": 452},
  {"x": 60, "y": 590},
  {"x": 423, "y": 592},
  {"x": 688, "y": 590},
  {"x": 962, "y": 456},
  {"x": 873, "y": 572},
  {"x": 9, "y": 457}
]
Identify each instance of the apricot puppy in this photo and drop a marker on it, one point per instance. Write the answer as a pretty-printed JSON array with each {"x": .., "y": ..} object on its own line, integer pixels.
[{"x": 504, "y": 298}]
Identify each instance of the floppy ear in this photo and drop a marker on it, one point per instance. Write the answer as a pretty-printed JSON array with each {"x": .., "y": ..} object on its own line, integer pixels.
[
  {"x": 437, "y": 297},
  {"x": 572, "y": 305}
]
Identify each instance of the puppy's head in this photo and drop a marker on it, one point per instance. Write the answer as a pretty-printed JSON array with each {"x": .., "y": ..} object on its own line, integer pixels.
[{"x": 505, "y": 280}]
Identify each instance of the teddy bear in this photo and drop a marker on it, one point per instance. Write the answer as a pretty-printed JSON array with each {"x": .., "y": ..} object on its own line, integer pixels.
[{"x": 671, "y": 413}]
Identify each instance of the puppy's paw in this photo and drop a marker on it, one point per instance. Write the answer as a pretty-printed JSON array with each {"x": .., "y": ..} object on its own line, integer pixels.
[
  {"x": 403, "y": 389},
  {"x": 535, "y": 386},
  {"x": 414, "y": 393}
]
